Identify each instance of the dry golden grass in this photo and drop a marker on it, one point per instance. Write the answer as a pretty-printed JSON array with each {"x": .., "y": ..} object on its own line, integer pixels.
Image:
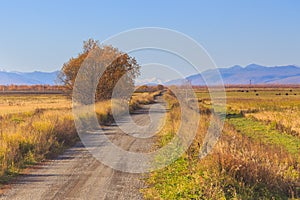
[
  {"x": 28, "y": 103},
  {"x": 239, "y": 167},
  {"x": 104, "y": 109},
  {"x": 145, "y": 98},
  {"x": 29, "y": 137},
  {"x": 33, "y": 127},
  {"x": 288, "y": 121}
]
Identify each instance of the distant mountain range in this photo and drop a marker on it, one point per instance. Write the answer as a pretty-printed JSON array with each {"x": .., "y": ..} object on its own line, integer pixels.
[
  {"x": 28, "y": 78},
  {"x": 258, "y": 74}
]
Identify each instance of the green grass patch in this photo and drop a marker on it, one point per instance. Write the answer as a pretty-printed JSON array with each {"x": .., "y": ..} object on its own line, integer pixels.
[
  {"x": 190, "y": 178},
  {"x": 267, "y": 134}
]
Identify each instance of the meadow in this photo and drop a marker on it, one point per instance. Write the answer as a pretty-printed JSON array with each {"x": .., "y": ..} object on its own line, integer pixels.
[
  {"x": 34, "y": 127},
  {"x": 256, "y": 156}
]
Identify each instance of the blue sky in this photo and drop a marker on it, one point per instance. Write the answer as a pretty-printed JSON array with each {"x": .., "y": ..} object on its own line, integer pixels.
[{"x": 42, "y": 35}]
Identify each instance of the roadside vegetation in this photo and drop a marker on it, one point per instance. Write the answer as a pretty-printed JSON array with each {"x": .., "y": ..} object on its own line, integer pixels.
[
  {"x": 32, "y": 128},
  {"x": 255, "y": 158},
  {"x": 36, "y": 127}
]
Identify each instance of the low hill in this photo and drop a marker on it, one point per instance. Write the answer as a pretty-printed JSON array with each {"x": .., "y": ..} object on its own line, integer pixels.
[
  {"x": 28, "y": 78},
  {"x": 258, "y": 74}
]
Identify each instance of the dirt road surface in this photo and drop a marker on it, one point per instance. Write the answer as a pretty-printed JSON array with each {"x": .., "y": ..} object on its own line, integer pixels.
[{"x": 78, "y": 175}]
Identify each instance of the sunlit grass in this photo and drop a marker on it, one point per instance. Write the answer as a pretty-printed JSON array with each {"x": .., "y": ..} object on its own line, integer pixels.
[
  {"x": 28, "y": 103},
  {"x": 266, "y": 134},
  {"x": 29, "y": 137},
  {"x": 253, "y": 159}
]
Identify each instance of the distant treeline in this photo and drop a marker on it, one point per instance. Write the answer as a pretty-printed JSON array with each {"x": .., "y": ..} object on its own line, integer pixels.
[
  {"x": 263, "y": 86},
  {"x": 233, "y": 86},
  {"x": 31, "y": 89},
  {"x": 60, "y": 88}
]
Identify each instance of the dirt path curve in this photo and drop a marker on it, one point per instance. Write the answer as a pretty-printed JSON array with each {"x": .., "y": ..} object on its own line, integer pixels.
[{"x": 78, "y": 175}]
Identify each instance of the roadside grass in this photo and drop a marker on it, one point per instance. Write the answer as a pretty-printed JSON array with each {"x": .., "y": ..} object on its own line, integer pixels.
[
  {"x": 145, "y": 97},
  {"x": 240, "y": 166},
  {"x": 36, "y": 127},
  {"x": 27, "y": 138},
  {"x": 105, "y": 110}
]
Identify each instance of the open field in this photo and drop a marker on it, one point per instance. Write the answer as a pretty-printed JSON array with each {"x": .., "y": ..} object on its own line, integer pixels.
[
  {"x": 256, "y": 157},
  {"x": 17, "y": 103},
  {"x": 76, "y": 174},
  {"x": 35, "y": 127}
]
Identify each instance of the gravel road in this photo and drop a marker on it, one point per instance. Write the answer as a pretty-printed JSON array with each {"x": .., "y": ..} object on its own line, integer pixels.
[{"x": 78, "y": 175}]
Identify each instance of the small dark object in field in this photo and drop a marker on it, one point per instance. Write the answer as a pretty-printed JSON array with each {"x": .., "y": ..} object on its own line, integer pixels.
[
  {"x": 291, "y": 90},
  {"x": 39, "y": 111},
  {"x": 257, "y": 94},
  {"x": 242, "y": 90},
  {"x": 295, "y": 94},
  {"x": 286, "y": 94},
  {"x": 254, "y": 90},
  {"x": 247, "y": 90}
]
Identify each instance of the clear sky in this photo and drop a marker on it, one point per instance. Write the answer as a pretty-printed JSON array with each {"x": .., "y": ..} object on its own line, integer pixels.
[{"x": 42, "y": 35}]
